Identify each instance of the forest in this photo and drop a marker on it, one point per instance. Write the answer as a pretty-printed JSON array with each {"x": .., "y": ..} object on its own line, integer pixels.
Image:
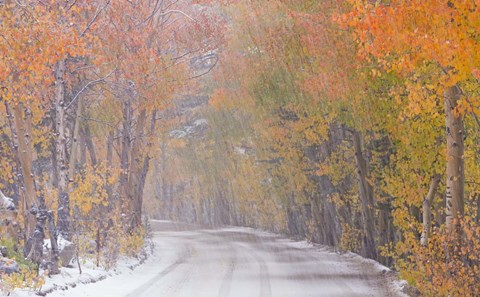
[{"x": 353, "y": 124}]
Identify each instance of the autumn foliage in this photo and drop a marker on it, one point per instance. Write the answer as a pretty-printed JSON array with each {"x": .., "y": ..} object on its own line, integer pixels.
[
  {"x": 82, "y": 85},
  {"x": 349, "y": 123}
]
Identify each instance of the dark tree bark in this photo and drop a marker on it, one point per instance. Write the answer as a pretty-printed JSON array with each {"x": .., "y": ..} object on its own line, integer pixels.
[
  {"x": 125, "y": 153},
  {"x": 366, "y": 197},
  {"x": 135, "y": 171},
  {"x": 89, "y": 145},
  {"x": 427, "y": 212}
]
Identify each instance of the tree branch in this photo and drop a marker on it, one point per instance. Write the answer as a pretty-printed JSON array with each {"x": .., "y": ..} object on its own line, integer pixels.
[{"x": 90, "y": 83}]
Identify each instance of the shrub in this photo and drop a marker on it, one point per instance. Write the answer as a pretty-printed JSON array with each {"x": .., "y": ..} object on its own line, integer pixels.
[{"x": 449, "y": 265}]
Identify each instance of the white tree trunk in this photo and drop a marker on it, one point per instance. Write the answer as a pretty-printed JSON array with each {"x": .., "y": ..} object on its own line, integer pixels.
[
  {"x": 455, "y": 163},
  {"x": 61, "y": 151}
]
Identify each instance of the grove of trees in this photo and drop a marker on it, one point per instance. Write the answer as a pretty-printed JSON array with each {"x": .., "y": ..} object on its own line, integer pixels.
[
  {"x": 82, "y": 84},
  {"x": 348, "y": 123}
]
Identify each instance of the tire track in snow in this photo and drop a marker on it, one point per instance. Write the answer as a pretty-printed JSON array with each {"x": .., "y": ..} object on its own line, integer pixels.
[
  {"x": 265, "y": 287},
  {"x": 181, "y": 260},
  {"x": 224, "y": 290},
  {"x": 227, "y": 279},
  {"x": 176, "y": 286}
]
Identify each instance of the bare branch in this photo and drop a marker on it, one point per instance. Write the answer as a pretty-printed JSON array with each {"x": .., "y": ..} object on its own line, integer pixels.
[
  {"x": 110, "y": 124},
  {"x": 206, "y": 72},
  {"x": 90, "y": 83},
  {"x": 97, "y": 13},
  {"x": 178, "y": 11}
]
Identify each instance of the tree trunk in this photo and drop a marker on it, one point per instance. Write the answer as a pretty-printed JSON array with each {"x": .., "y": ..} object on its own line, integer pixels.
[
  {"x": 366, "y": 197},
  {"x": 163, "y": 168},
  {"x": 385, "y": 232},
  {"x": 53, "y": 142},
  {"x": 427, "y": 213},
  {"x": 36, "y": 244},
  {"x": 455, "y": 163},
  {"x": 83, "y": 150},
  {"x": 24, "y": 160},
  {"x": 89, "y": 145},
  {"x": 124, "y": 154},
  {"x": 61, "y": 151},
  {"x": 146, "y": 166},
  {"x": 109, "y": 163},
  {"x": 76, "y": 141},
  {"x": 135, "y": 171},
  {"x": 53, "y": 242},
  {"x": 477, "y": 218}
]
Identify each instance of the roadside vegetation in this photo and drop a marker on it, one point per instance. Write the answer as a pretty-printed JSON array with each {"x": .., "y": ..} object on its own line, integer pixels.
[{"x": 348, "y": 123}]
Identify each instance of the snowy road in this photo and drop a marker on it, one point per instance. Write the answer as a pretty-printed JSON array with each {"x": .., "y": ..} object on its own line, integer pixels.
[{"x": 239, "y": 262}]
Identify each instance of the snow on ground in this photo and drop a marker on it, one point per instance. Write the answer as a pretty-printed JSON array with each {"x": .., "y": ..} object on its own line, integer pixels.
[
  {"x": 70, "y": 278},
  {"x": 396, "y": 285},
  {"x": 230, "y": 262},
  {"x": 6, "y": 202}
]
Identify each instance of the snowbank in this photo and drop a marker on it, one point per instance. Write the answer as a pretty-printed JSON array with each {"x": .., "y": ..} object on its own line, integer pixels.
[{"x": 70, "y": 277}]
